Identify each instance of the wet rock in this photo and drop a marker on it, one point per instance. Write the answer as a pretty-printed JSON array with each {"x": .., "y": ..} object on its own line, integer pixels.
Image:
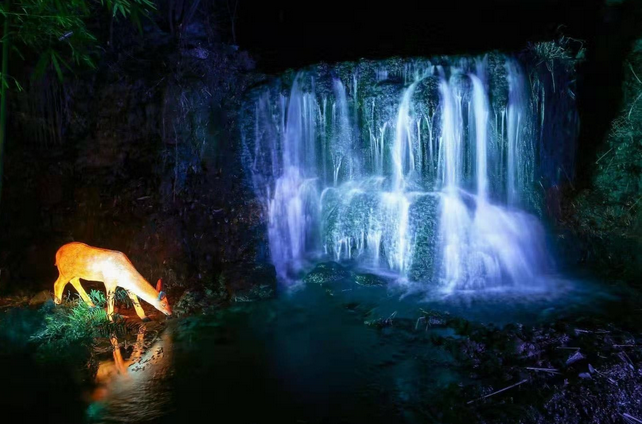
[
  {"x": 40, "y": 298},
  {"x": 194, "y": 301},
  {"x": 328, "y": 273},
  {"x": 188, "y": 303},
  {"x": 370, "y": 280},
  {"x": 432, "y": 318},
  {"x": 250, "y": 282},
  {"x": 423, "y": 217}
]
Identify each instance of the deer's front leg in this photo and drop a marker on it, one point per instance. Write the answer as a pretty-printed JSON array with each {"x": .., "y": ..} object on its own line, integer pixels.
[
  {"x": 59, "y": 286},
  {"x": 111, "y": 294},
  {"x": 137, "y": 306}
]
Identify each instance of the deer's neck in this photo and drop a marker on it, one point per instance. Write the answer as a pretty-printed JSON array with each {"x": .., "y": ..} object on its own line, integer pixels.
[{"x": 141, "y": 288}]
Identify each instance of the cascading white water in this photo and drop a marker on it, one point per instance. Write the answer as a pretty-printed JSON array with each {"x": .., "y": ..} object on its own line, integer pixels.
[
  {"x": 481, "y": 113},
  {"x": 419, "y": 170},
  {"x": 293, "y": 204},
  {"x": 485, "y": 245}
]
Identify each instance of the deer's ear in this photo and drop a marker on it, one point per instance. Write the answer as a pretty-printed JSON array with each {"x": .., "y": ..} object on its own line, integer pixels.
[
  {"x": 162, "y": 295},
  {"x": 159, "y": 285}
]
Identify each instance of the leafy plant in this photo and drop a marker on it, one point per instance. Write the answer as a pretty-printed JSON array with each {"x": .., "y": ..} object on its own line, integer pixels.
[
  {"x": 565, "y": 51},
  {"x": 75, "y": 322},
  {"x": 607, "y": 215}
]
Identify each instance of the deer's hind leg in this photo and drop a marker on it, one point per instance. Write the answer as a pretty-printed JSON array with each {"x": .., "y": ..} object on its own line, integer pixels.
[
  {"x": 81, "y": 291},
  {"x": 137, "y": 306}
]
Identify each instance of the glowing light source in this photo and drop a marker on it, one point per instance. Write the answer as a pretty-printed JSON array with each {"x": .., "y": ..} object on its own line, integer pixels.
[{"x": 78, "y": 260}]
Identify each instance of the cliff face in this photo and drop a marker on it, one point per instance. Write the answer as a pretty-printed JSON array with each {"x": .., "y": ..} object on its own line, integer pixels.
[{"x": 140, "y": 156}]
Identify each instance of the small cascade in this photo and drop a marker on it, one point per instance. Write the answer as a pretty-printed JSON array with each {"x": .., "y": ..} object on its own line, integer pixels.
[
  {"x": 422, "y": 169},
  {"x": 293, "y": 203}
]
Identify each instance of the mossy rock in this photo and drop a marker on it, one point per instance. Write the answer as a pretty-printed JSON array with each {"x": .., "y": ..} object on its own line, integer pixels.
[
  {"x": 195, "y": 301},
  {"x": 249, "y": 282},
  {"x": 328, "y": 273},
  {"x": 370, "y": 280}
]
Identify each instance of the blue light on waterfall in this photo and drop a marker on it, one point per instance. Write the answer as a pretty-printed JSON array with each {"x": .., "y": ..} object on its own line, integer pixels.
[{"x": 420, "y": 169}]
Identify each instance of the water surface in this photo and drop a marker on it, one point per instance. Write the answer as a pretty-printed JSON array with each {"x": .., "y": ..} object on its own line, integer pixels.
[{"x": 309, "y": 357}]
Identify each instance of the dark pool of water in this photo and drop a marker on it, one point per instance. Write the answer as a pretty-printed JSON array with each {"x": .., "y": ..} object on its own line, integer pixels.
[
  {"x": 308, "y": 357},
  {"x": 305, "y": 357}
]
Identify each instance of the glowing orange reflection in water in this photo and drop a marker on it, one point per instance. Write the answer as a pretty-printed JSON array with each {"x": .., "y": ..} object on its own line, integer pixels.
[{"x": 130, "y": 384}]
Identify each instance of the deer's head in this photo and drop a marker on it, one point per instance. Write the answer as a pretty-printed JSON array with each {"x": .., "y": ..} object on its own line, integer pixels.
[{"x": 162, "y": 303}]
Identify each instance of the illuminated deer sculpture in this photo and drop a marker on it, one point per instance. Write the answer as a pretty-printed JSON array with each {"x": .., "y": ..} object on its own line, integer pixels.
[{"x": 114, "y": 269}]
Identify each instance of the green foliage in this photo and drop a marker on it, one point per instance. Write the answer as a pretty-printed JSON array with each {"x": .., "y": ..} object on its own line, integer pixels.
[
  {"x": 56, "y": 30},
  {"x": 74, "y": 324},
  {"x": 565, "y": 53},
  {"x": 565, "y": 50},
  {"x": 617, "y": 178},
  {"x": 134, "y": 9},
  {"x": 608, "y": 214}
]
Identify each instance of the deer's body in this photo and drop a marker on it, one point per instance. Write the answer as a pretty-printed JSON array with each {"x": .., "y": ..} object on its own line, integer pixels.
[{"x": 78, "y": 260}]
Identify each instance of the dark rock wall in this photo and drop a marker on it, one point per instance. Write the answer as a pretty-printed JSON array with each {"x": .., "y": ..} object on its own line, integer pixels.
[{"x": 145, "y": 161}]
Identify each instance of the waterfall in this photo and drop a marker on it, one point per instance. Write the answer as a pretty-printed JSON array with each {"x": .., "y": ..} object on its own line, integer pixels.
[
  {"x": 481, "y": 114},
  {"x": 292, "y": 205},
  {"x": 424, "y": 169}
]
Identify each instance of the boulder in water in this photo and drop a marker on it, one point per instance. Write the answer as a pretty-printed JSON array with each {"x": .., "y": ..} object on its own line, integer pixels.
[
  {"x": 370, "y": 280},
  {"x": 250, "y": 282},
  {"x": 194, "y": 301},
  {"x": 328, "y": 273}
]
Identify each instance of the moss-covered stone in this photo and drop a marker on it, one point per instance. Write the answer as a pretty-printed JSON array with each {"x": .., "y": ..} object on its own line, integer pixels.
[
  {"x": 370, "y": 280},
  {"x": 249, "y": 282},
  {"x": 328, "y": 273}
]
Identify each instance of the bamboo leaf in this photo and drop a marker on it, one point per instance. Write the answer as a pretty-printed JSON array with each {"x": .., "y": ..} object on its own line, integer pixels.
[
  {"x": 64, "y": 63},
  {"x": 137, "y": 22}
]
